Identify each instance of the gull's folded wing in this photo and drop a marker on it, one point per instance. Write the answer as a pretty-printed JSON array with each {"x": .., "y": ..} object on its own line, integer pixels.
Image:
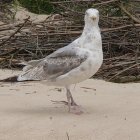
[{"x": 54, "y": 65}]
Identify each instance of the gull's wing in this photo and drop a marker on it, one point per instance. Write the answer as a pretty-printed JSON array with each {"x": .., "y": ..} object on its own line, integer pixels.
[
  {"x": 30, "y": 64},
  {"x": 68, "y": 50},
  {"x": 58, "y": 63}
]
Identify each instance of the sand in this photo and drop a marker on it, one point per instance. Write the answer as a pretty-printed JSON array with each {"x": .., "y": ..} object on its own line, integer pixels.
[
  {"x": 23, "y": 14},
  {"x": 111, "y": 111}
]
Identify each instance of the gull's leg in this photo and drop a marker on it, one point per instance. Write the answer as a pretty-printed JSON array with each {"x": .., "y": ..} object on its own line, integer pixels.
[
  {"x": 72, "y": 106},
  {"x": 68, "y": 99},
  {"x": 73, "y": 103}
]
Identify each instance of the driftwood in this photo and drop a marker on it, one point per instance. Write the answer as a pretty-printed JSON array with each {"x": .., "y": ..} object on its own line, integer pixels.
[{"x": 28, "y": 40}]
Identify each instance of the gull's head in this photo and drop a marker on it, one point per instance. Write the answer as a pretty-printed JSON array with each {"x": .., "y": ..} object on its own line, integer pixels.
[{"x": 92, "y": 15}]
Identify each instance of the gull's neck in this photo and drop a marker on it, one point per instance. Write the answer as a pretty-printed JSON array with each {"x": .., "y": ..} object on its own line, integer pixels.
[
  {"x": 90, "y": 27},
  {"x": 91, "y": 36}
]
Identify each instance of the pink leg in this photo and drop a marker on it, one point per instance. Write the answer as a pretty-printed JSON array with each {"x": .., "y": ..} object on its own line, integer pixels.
[{"x": 72, "y": 106}]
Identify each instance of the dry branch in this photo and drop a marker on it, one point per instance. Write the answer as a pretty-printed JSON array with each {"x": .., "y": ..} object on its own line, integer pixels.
[
  {"x": 129, "y": 14},
  {"x": 1, "y": 44}
]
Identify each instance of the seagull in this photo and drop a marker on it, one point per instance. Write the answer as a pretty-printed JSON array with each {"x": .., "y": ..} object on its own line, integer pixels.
[{"x": 71, "y": 64}]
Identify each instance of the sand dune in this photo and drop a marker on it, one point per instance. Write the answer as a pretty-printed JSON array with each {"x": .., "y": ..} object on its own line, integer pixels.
[{"x": 111, "y": 111}]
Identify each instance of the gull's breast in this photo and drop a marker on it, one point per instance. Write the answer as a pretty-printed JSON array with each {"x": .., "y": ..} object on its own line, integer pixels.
[{"x": 86, "y": 70}]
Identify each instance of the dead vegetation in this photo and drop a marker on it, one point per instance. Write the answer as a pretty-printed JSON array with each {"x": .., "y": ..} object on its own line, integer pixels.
[{"x": 120, "y": 28}]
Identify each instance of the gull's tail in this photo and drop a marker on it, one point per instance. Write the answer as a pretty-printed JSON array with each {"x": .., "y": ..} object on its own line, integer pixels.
[{"x": 10, "y": 79}]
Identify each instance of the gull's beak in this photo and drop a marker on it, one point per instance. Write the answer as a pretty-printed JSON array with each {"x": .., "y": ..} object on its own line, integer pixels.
[{"x": 93, "y": 17}]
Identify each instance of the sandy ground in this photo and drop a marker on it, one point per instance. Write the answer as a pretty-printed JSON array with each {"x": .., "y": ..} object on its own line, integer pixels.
[
  {"x": 112, "y": 111},
  {"x": 23, "y": 13}
]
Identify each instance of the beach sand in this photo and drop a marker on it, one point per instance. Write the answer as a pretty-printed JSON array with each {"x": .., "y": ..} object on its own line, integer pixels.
[{"x": 111, "y": 111}]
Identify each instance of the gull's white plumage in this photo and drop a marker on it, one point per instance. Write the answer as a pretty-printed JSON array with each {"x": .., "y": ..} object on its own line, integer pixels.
[{"x": 72, "y": 64}]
